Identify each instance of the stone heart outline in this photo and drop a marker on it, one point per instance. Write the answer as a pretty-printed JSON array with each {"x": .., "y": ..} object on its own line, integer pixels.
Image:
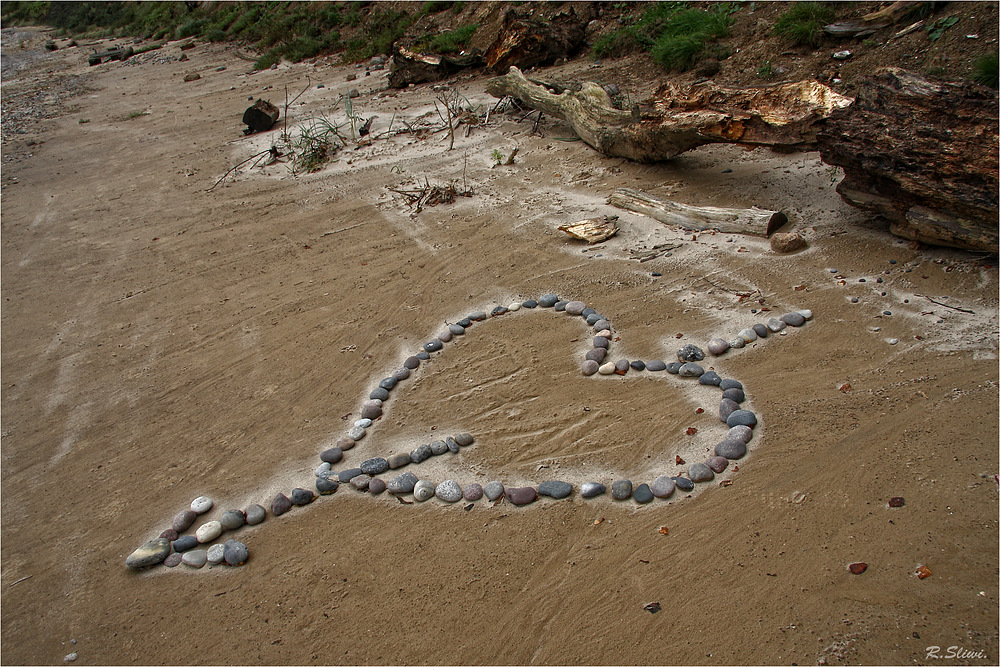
[{"x": 740, "y": 422}]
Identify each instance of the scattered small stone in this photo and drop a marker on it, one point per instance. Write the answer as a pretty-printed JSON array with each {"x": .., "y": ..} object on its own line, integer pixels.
[
  {"x": 473, "y": 492},
  {"x": 235, "y": 553},
  {"x": 857, "y": 568},
  {"x": 662, "y": 487},
  {"x": 208, "y": 531},
  {"x": 201, "y": 504},
  {"x": 683, "y": 483},
  {"x": 717, "y": 346},
  {"x": 423, "y": 490},
  {"x": 332, "y": 455},
  {"x": 700, "y": 472},
  {"x": 196, "y": 558},
  {"x": 690, "y": 353},
  {"x": 493, "y": 490},
  {"x": 555, "y": 489},
  {"x": 621, "y": 489},
  {"x": 892, "y": 341},
  {"x": 376, "y": 486},
  {"x": 592, "y": 489},
  {"x": 652, "y": 607},
  {"x": 70, "y": 657},
  {"x": 185, "y": 542},
  {"x": 731, "y": 449},
  {"x": 524, "y": 495},
  {"x": 656, "y": 365},
  {"x": 787, "y": 242},
  {"x": 402, "y": 484},
  {"x": 449, "y": 491},
  {"x": 374, "y": 466},
  {"x": 302, "y": 496},
  {"x": 183, "y": 520},
  {"x": 897, "y": 501},
  {"x": 642, "y": 494},
  {"x": 233, "y": 519},
  {"x": 151, "y": 553}
]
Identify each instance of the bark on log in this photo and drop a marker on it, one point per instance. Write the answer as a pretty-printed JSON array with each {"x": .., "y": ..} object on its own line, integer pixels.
[
  {"x": 677, "y": 119},
  {"x": 525, "y": 42},
  {"x": 922, "y": 154},
  {"x": 261, "y": 116},
  {"x": 871, "y": 23},
  {"x": 408, "y": 67},
  {"x": 754, "y": 221}
]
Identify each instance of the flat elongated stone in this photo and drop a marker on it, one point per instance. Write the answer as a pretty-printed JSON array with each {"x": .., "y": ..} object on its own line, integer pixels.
[
  {"x": 451, "y": 445},
  {"x": 195, "y": 558},
  {"x": 208, "y": 531},
  {"x": 345, "y": 476},
  {"x": 592, "y": 489},
  {"x": 555, "y": 489},
  {"x": 456, "y": 330},
  {"x": 153, "y": 552},
  {"x": 683, "y": 483},
  {"x": 374, "y": 466},
  {"x": 621, "y": 489},
  {"x": 493, "y": 490},
  {"x": 699, "y": 472},
  {"x": 656, "y": 365},
  {"x": 690, "y": 370},
  {"x": 662, "y": 487},
  {"x": 523, "y": 495},
  {"x": 183, "y": 520},
  {"x": 731, "y": 449},
  {"x": 185, "y": 542},
  {"x": 433, "y": 346},
  {"x": 514, "y": 306},
  {"x": 449, "y": 491},
  {"x": 422, "y": 355},
  {"x": 589, "y": 367},
  {"x": 642, "y": 494},
  {"x": 741, "y": 433},
  {"x": 402, "y": 484},
  {"x": 478, "y": 316},
  {"x": 717, "y": 463},
  {"x": 332, "y": 455},
  {"x": 742, "y": 417},
  {"x": 529, "y": 303}
]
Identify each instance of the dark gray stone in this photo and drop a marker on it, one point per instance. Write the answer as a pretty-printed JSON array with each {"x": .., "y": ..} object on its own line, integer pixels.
[
  {"x": 621, "y": 366},
  {"x": 560, "y": 305},
  {"x": 547, "y": 300},
  {"x": 592, "y": 489},
  {"x": 761, "y": 330},
  {"x": 421, "y": 454},
  {"x": 327, "y": 486},
  {"x": 621, "y": 489},
  {"x": 601, "y": 341},
  {"x": 379, "y": 393},
  {"x": 597, "y": 354},
  {"x": 674, "y": 367},
  {"x": 422, "y": 355},
  {"x": 690, "y": 353},
  {"x": 183, "y": 520},
  {"x": 587, "y": 312},
  {"x": 411, "y": 363},
  {"x": 433, "y": 346},
  {"x": 402, "y": 484},
  {"x": 280, "y": 504},
  {"x": 233, "y": 519},
  {"x": 388, "y": 383},
  {"x": 302, "y": 496},
  {"x": 637, "y": 365},
  {"x": 642, "y": 494},
  {"x": 731, "y": 449},
  {"x": 464, "y": 322},
  {"x": 345, "y": 476},
  {"x": 529, "y": 303},
  {"x": 451, "y": 444},
  {"x": 236, "y": 553},
  {"x": 593, "y": 319},
  {"x": 797, "y": 320},
  {"x": 456, "y": 329},
  {"x": 730, "y": 383},
  {"x": 523, "y": 495},
  {"x": 185, "y": 542},
  {"x": 555, "y": 489},
  {"x": 683, "y": 483},
  {"x": 332, "y": 455},
  {"x": 727, "y": 407},
  {"x": 710, "y": 378},
  {"x": 374, "y": 466},
  {"x": 656, "y": 365},
  {"x": 734, "y": 394},
  {"x": 742, "y": 418},
  {"x": 498, "y": 311}
]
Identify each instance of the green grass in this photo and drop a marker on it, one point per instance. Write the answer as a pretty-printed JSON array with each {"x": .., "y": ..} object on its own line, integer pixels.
[
  {"x": 986, "y": 71},
  {"x": 451, "y": 41},
  {"x": 803, "y": 23}
]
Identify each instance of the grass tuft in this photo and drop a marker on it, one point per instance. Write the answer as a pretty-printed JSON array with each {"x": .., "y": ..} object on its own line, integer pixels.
[{"x": 803, "y": 23}]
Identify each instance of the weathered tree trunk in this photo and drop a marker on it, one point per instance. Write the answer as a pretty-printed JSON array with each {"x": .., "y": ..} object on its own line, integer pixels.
[
  {"x": 525, "y": 42},
  {"x": 922, "y": 154},
  {"x": 678, "y": 119},
  {"x": 871, "y": 23},
  {"x": 754, "y": 221},
  {"x": 261, "y": 116},
  {"x": 409, "y": 67}
]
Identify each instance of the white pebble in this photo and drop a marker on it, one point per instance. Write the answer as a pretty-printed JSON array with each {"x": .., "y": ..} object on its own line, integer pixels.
[
  {"x": 607, "y": 369},
  {"x": 216, "y": 553},
  {"x": 749, "y": 335},
  {"x": 606, "y": 333},
  {"x": 892, "y": 341},
  {"x": 737, "y": 343},
  {"x": 363, "y": 423},
  {"x": 323, "y": 467},
  {"x": 514, "y": 306},
  {"x": 356, "y": 433},
  {"x": 201, "y": 504},
  {"x": 806, "y": 313},
  {"x": 208, "y": 531}
]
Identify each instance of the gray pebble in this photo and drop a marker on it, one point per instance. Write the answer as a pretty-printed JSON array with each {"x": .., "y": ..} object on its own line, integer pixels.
[
  {"x": 478, "y": 316},
  {"x": 439, "y": 447},
  {"x": 742, "y": 417},
  {"x": 761, "y": 330},
  {"x": 592, "y": 489},
  {"x": 555, "y": 489},
  {"x": 493, "y": 490},
  {"x": 411, "y": 363},
  {"x": 235, "y": 553},
  {"x": 674, "y": 367},
  {"x": 730, "y": 383},
  {"x": 255, "y": 514},
  {"x": 216, "y": 554},
  {"x": 699, "y": 472},
  {"x": 302, "y": 496},
  {"x": 151, "y": 553},
  {"x": 451, "y": 444},
  {"x": 748, "y": 335},
  {"x": 589, "y": 367},
  {"x": 374, "y": 466},
  {"x": 622, "y": 366},
  {"x": 70, "y": 657},
  {"x": 662, "y": 487},
  {"x": 169, "y": 534},
  {"x": 575, "y": 307},
  {"x": 355, "y": 433},
  {"x": 185, "y": 542},
  {"x": 529, "y": 303},
  {"x": 379, "y": 393},
  {"x": 433, "y": 346},
  {"x": 655, "y": 365},
  {"x": 323, "y": 470},
  {"x": 376, "y": 486},
  {"x": 793, "y": 319},
  {"x": 398, "y": 460},
  {"x": 524, "y": 495},
  {"x": 388, "y": 383},
  {"x": 690, "y": 370},
  {"x": 642, "y": 494},
  {"x": 547, "y": 300},
  {"x": 587, "y": 312},
  {"x": 601, "y": 325},
  {"x": 346, "y": 476},
  {"x": 717, "y": 346},
  {"x": 327, "y": 486},
  {"x": 456, "y": 329},
  {"x": 690, "y": 353},
  {"x": 731, "y": 449},
  {"x": 401, "y": 373},
  {"x": 775, "y": 325},
  {"x": 233, "y": 519},
  {"x": 402, "y": 484},
  {"x": 597, "y": 354},
  {"x": 737, "y": 343},
  {"x": 423, "y": 490},
  {"x": 726, "y": 408},
  {"x": 332, "y": 455},
  {"x": 683, "y": 483},
  {"x": 621, "y": 489},
  {"x": 422, "y": 355},
  {"x": 195, "y": 558},
  {"x": 464, "y": 439},
  {"x": 741, "y": 433},
  {"x": 593, "y": 319},
  {"x": 560, "y": 306},
  {"x": 734, "y": 394},
  {"x": 421, "y": 454},
  {"x": 710, "y": 378},
  {"x": 473, "y": 492},
  {"x": 367, "y": 412},
  {"x": 449, "y": 491},
  {"x": 717, "y": 463},
  {"x": 638, "y": 365},
  {"x": 601, "y": 341},
  {"x": 498, "y": 311},
  {"x": 360, "y": 482},
  {"x": 183, "y": 520}
]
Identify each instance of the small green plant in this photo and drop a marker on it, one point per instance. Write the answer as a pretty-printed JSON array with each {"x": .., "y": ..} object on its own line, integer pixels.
[
  {"x": 986, "y": 71},
  {"x": 766, "y": 70},
  {"x": 451, "y": 41},
  {"x": 497, "y": 156},
  {"x": 268, "y": 59},
  {"x": 83, "y": 120},
  {"x": 136, "y": 114},
  {"x": 803, "y": 23},
  {"x": 935, "y": 31},
  {"x": 316, "y": 144}
]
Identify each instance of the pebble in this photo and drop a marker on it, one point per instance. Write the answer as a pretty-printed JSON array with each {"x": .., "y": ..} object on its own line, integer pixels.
[
  {"x": 345, "y": 443},
  {"x": 235, "y": 553},
  {"x": 690, "y": 353},
  {"x": 376, "y": 486},
  {"x": 560, "y": 305},
  {"x": 208, "y": 531},
  {"x": 717, "y": 346},
  {"x": 717, "y": 463},
  {"x": 421, "y": 454},
  {"x": 892, "y": 341},
  {"x": 356, "y": 432},
  {"x": 493, "y": 490},
  {"x": 690, "y": 370},
  {"x": 478, "y": 316},
  {"x": 498, "y": 311},
  {"x": 737, "y": 343},
  {"x": 301, "y": 496},
  {"x": 555, "y": 489},
  {"x": 402, "y": 484},
  {"x": 529, "y": 303},
  {"x": 422, "y": 355},
  {"x": 621, "y": 366},
  {"x": 775, "y": 325},
  {"x": 575, "y": 307},
  {"x": 70, "y": 657},
  {"x": 183, "y": 520},
  {"x": 710, "y": 378},
  {"x": 587, "y": 312},
  {"x": 637, "y": 365},
  {"x": 451, "y": 444},
  {"x": 473, "y": 492},
  {"x": 255, "y": 514},
  {"x": 201, "y": 504},
  {"x": 855, "y": 299},
  {"x": 216, "y": 554},
  {"x": 444, "y": 336},
  {"x": 322, "y": 470},
  {"x": 464, "y": 439},
  {"x": 733, "y": 394},
  {"x": 730, "y": 383},
  {"x": 741, "y": 433},
  {"x": 374, "y": 466},
  {"x": 642, "y": 494},
  {"x": 379, "y": 393},
  {"x": 806, "y": 313},
  {"x": 389, "y": 382},
  {"x": 523, "y": 495},
  {"x": 731, "y": 449},
  {"x": 727, "y": 406},
  {"x": 346, "y": 476},
  {"x": 411, "y": 363},
  {"x": 433, "y": 346},
  {"x": 173, "y": 560},
  {"x": 439, "y": 447},
  {"x": 597, "y": 354},
  {"x": 327, "y": 486},
  {"x": 514, "y": 307},
  {"x": 401, "y": 373},
  {"x": 621, "y": 489},
  {"x": 748, "y": 335},
  {"x": 185, "y": 542},
  {"x": 465, "y": 323},
  {"x": 683, "y": 483},
  {"x": 151, "y": 553},
  {"x": 456, "y": 329},
  {"x": 592, "y": 489},
  {"x": 398, "y": 460},
  {"x": 700, "y": 472},
  {"x": 423, "y": 490},
  {"x": 196, "y": 558},
  {"x": 594, "y": 318},
  {"x": 760, "y": 330},
  {"x": 360, "y": 482},
  {"x": 602, "y": 325},
  {"x": 449, "y": 491},
  {"x": 606, "y": 369},
  {"x": 674, "y": 367},
  {"x": 169, "y": 534},
  {"x": 742, "y": 417},
  {"x": 367, "y": 412},
  {"x": 548, "y": 300},
  {"x": 601, "y": 341},
  {"x": 331, "y": 456},
  {"x": 233, "y": 519},
  {"x": 662, "y": 487},
  {"x": 655, "y": 366},
  {"x": 795, "y": 319}
]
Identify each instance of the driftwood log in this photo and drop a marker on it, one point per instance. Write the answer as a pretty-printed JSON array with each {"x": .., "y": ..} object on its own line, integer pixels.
[
  {"x": 677, "y": 119},
  {"x": 922, "y": 154},
  {"x": 754, "y": 221},
  {"x": 524, "y": 42},
  {"x": 408, "y": 67},
  {"x": 871, "y": 23},
  {"x": 261, "y": 116}
]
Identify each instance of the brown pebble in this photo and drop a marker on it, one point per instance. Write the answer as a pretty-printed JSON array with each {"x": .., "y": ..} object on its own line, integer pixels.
[
  {"x": 787, "y": 242},
  {"x": 183, "y": 520},
  {"x": 857, "y": 568},
  {"x": 169, "y": 534},
  {"x": 896, "y": 501}
]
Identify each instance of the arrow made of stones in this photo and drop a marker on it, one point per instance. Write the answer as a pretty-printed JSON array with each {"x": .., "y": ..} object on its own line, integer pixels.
[{"x": 173, "y": 547}]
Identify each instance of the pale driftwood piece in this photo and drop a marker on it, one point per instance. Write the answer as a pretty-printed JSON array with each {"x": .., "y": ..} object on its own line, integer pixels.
[
  {"x": 594, "y": 230},
  {"x": 871, "y": 23},
  {"x": 677, "y": 119},
  {"x": 753, "y": 221}
]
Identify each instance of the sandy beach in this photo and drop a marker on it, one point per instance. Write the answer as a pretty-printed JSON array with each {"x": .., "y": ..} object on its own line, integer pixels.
[{"x": 163, "y": 340}]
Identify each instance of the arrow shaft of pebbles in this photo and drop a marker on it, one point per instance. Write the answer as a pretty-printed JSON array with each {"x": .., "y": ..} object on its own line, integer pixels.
[{"x": 365, "y": 477}]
